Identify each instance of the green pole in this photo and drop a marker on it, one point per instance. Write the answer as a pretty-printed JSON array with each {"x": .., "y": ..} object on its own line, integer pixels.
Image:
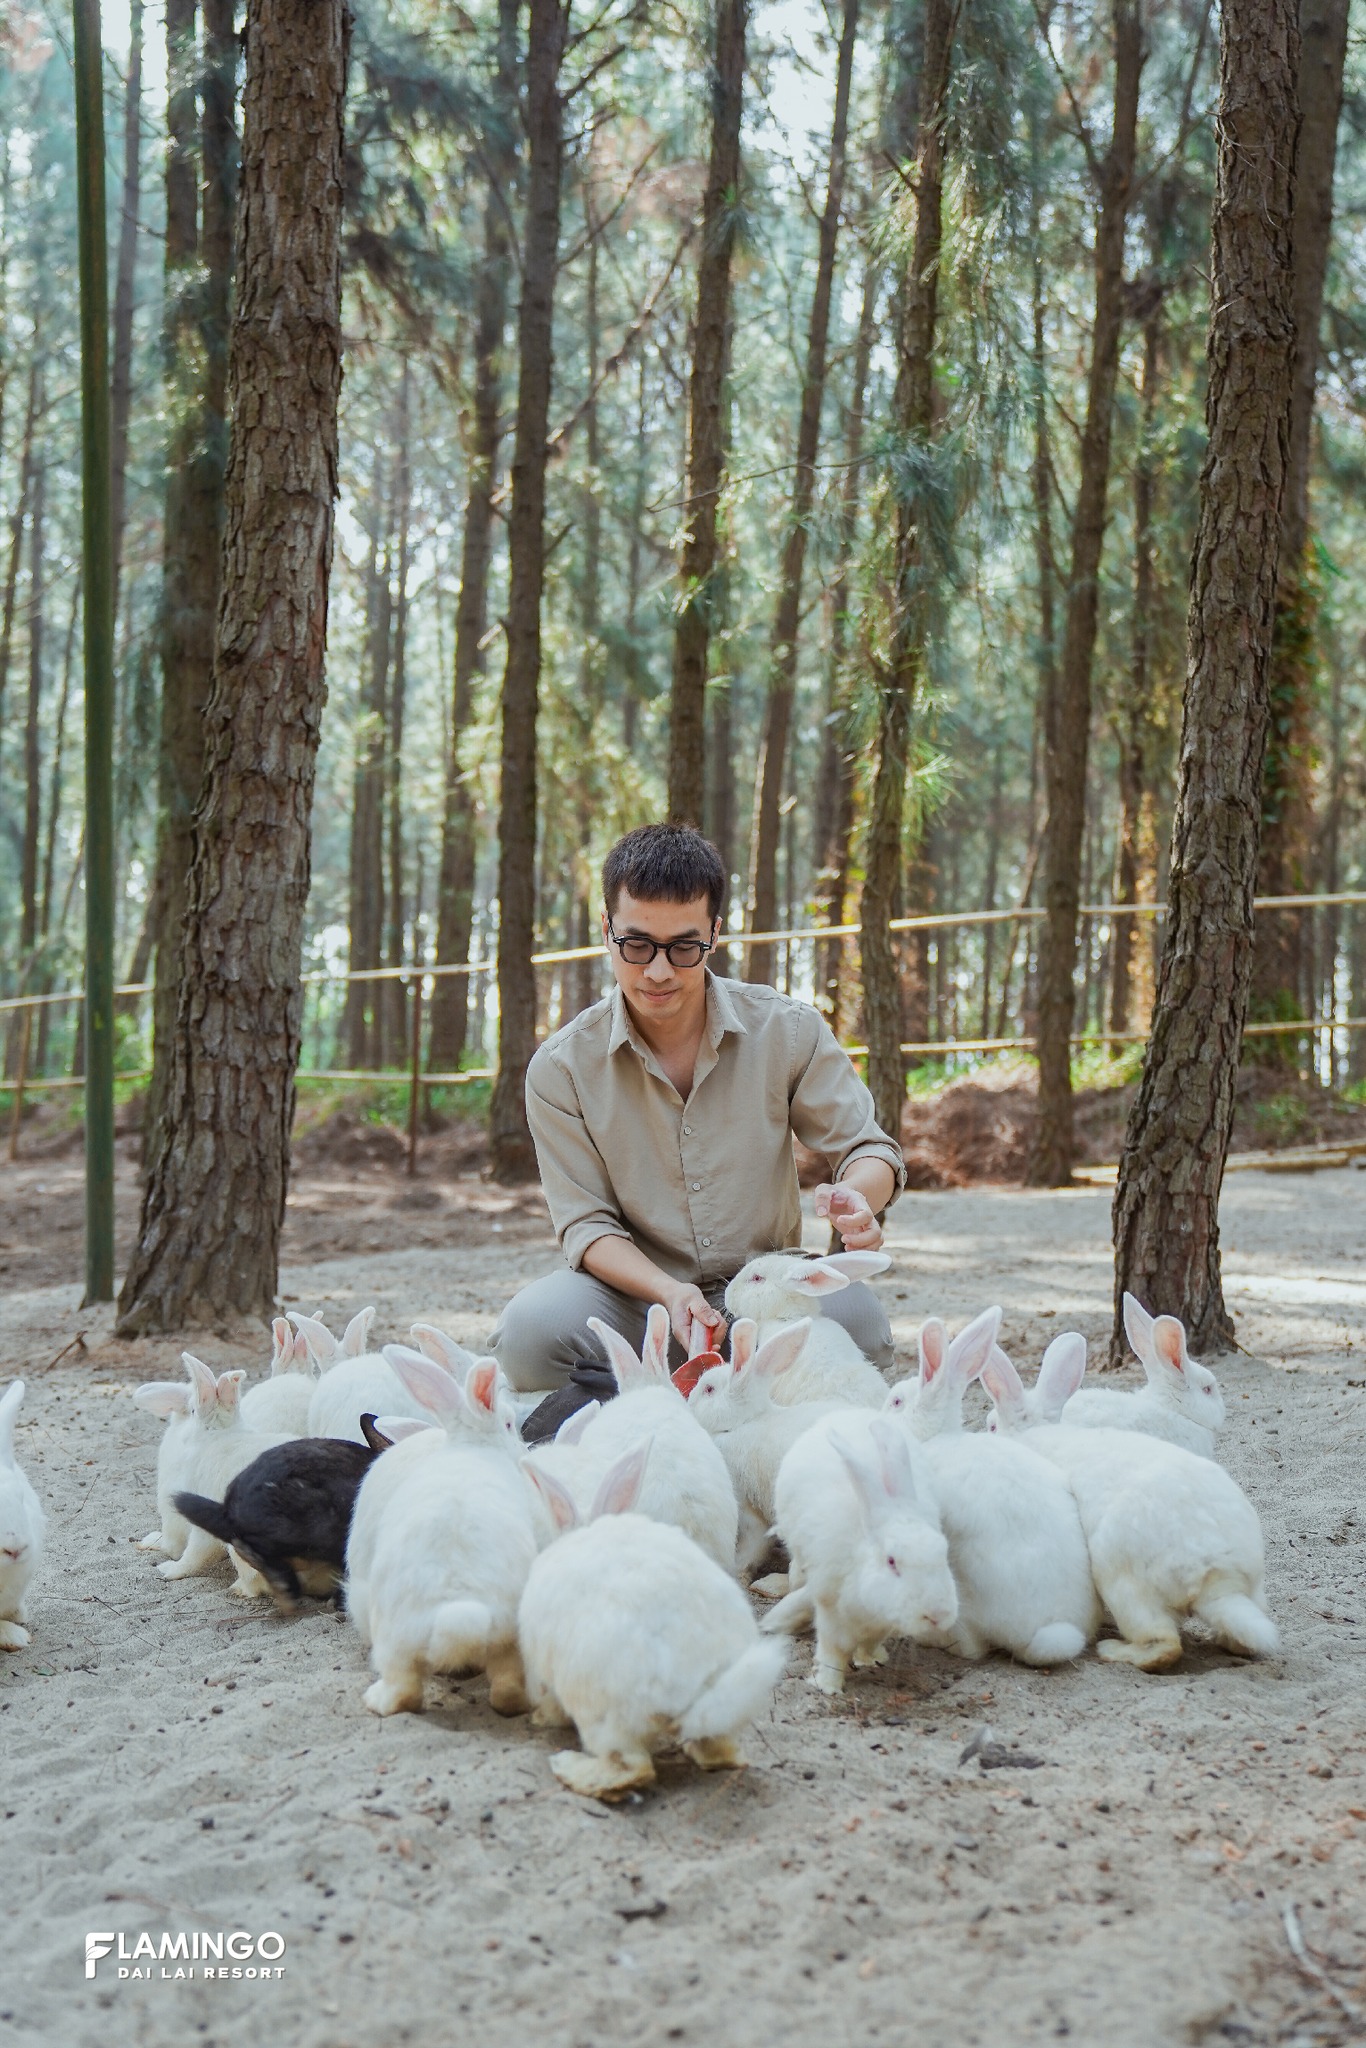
[{"x": 99, "y": 655}]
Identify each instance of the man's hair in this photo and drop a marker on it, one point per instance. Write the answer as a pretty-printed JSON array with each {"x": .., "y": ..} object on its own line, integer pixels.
[{"x": 665, "y": 864}]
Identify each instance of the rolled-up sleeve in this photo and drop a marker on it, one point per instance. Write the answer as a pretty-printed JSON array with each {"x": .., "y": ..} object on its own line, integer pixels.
[
  {"x": 831, "y": 1109},
  {"x": 578, "y": 1188}
]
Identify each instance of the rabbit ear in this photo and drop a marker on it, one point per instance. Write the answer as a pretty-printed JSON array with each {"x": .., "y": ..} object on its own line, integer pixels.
[
  {"x": 654, "y": 1354},
  {"x": 481, "y": 1385},
  {"x": 744, "y": 1335},
  {"x": 396, "y": 1427},
  {"x": 1138, "y": 1325},
  {"x": 9, "y": 1409},
  {"x": 229, "y": 1390},
  {"x": 557, "y": 1498},
  {"x": 933, "y": 1344},
  {"x": 1169, "y": 1346},
  {"x": 782, "y": 1349},
  {"x": 322, "y": 1345},
  {"x": 1003, "y": 1384},
  {"x": 374, "y": 1435},
  {"x": 302, "y": 1355},
  {"x": 435, "y": 1344},
  {"x": 205, "y": 1383},
  {"x": 281, "y": 1344},
  {"x": 971, "y": 1348},
  {"x": 818, "y": 1277},
  {"x": 621, "y": 1483},
  {"x": 163, "y": 1397},
  {"x": 867, "y": 1483},
  {"x": 1062, "y": 1372},
  {"x": 894, "y": 1459},
  {"x": 356, "y": 1334},
  {"x": 620, "y": 1356},
  {"x": 858, "y": 1265},
  {"x": 428, "y": 1383},
  {"x": 573, "y": 1426}
]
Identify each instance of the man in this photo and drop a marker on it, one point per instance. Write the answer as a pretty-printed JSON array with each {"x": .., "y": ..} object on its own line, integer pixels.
[{"x": 663, "y": 1120}]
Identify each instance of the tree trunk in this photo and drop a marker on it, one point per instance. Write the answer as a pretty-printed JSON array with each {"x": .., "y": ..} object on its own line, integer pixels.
[
  {"x": 365, "y": 999},
  {"x": 1050, "y": 1163},
  {"x": 511, "y": 1153},
  {"x": 208, "y": 1242},
  {"x": 706, "y": 420},
  {"x": 782, "y": 678},
  {"x": 395, "y": 1006},
  {"x": 198, "y": 285},
  {"x": 1279, "y": 950},
  {"x": 1166, "y": 1208},
  {"x": 17, "y": 520},
  {"x": 54, "y": 812},
  {"x": 583, "y": 981},
  {"x": 914, "y": 416},
  {"x": 121, "y": 361},
  {"x": 835, "y": 786},
  {"x": 33, "y": 794},
  {"x": 455, "y": 883}
]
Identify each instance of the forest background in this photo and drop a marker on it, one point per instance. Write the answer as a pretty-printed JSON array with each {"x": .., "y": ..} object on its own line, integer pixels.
[{"x": 741, "y": 200}]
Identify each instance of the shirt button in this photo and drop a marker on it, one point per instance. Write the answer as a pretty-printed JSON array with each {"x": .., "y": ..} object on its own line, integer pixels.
[
  {"x": 706, "y": 1240},
  {"x": 687, "y": 1130},
  {"x": 696, "y": 1185}
]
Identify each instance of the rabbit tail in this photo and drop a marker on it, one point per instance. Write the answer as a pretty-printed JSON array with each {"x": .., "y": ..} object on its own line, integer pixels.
[
  {"x": 734, "y": 1698},
  {"x": 210, "y": 1515},
  {"x": 1240, "y": 1624},
  {"x": 1057, "y": 1642},
  {"x": 459, "y": 1635},
  {"x": 792, "y": 1614}
]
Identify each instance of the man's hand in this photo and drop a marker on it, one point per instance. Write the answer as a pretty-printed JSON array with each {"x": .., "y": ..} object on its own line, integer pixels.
[
  {"x": 688, "y": 1305},
  {"x": 850, "y": 1216}
]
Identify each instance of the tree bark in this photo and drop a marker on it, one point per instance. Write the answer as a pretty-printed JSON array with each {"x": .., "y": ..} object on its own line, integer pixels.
[
  {"x": 198, "y": 286},
  {"x": 1135, "y": 711},
  {"x": 208, "y": 1241},
  {"x": 365, "y": 920},
  {"x": 33, "y": 794},
  {"x": 706, "y": 421},
  {"x": 583, "y": 982},
  {"x": 455, "y": 884},
  {"x": 913, "y": 411},
  {"x": 121, "y": 360},
  {"x": 782, "y": 678},
  {"x": 1279, "y": 956},
  {"x": 395, "y": 1006},
  {"x": 511, "y": 1153},
  {"x": 1166, "y": 1209},
  {"x": 1050, "y": 1163},
  {"x": 17, "y": 521}
]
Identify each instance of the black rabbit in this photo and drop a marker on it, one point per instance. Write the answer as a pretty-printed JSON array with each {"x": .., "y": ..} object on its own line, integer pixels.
[
  {"x": 590, "y": 1380},
  {"x": 290, "y": 1510}
]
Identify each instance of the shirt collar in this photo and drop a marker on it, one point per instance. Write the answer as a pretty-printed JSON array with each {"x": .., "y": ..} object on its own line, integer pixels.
[{"x": 722, "y": 1016}]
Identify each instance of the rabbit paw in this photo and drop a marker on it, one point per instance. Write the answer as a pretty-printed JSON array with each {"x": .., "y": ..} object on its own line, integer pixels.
[
  {"x": 715, "y": 1753},
  {"x": 12, "y": 1636},
  {"x": 1155, "y": 1656},
  {"x": 773, "y": 1586},
  {"x": 385, "y": 1697},
  {"x": 827, "y": 1678},
  {"x": 601, "y": 1777},
  {"x": 154, "y": 1540},
  {"x": 550, "y": 1714}
]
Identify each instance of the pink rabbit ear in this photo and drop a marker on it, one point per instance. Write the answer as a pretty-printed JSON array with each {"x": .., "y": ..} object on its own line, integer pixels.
[
  {"x": 1138, "y": 1326},
  {"x": 557, "y": 1498},
  {"x": 322, "y": 1345},
  {"x": 654, "y": 1354},
  {"x": 820, "y": 1277},
  {"x": 282, "y": 1343},
  {"x": 744, "y": 1335},
  {"x": 1169, "y": 1345},
  {"x": 933, "y": 1345},
  {"x": 1003, "y": 1384},
  {"x": 204, "y": 1383},
  {"x": 782, "y": 1349},
  {"x": 481, "y": 1385},
  {"x": 573, "y": 1426},
  {"x": 396, "y": 1427},
  {"x": 1062, "y": 1372},
  {"x": 621, "y": 1483},
  {"x": 620, "y": 1356},
  {"x": 971, "y": 1348},
  {"x": 229, "y": 1390},
  {"x": 163, "y": 1397},
  {"x": 356, "y": 1333},
  {"x": 429, "y": 1384}
]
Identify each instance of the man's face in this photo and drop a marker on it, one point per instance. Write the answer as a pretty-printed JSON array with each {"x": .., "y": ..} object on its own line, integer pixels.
[{"x": 660, "y": 990}]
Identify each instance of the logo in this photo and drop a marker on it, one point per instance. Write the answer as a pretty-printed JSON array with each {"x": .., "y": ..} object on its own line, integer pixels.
[
  {"x": 200, "y": 1954},
  {"x": 96, "y": 1945}
]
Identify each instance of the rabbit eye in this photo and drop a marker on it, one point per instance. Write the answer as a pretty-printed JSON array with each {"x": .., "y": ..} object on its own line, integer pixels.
[{"x": 894, "y": 1566}]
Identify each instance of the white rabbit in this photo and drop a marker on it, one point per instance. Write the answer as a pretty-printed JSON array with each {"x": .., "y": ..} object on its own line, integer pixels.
[
  {"x": 633, "y": 1671},
  {"x": 1016, "y": 1546},
  {"x": 354, "y": 1381},
  {"x": 736, "y": 1405},
  {"x": 1059, "y": 1376},
  {"x": 451, "y": 1553},
  {"x": 687, "y": 1482},
  {"x": 859, "y": 1518},
  {"x": 473, "y": 1418},
  {"x": 21, "y": 1527},
  {"x": 206, "y": 1444},
  {"x": 281, "y": 1402},
  {"x": 932, "y": 1402},
  {"x": 1170, "y": 1534},
  {"x": 1181, "y": 1402},
  {"x": 781, "y": 1287}
]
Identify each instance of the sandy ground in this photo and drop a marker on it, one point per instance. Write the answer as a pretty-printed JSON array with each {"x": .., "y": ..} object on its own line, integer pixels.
[{"x": 170, "y": 1760}]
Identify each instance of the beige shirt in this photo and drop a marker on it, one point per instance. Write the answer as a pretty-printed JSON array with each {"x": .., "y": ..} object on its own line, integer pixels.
[{"x": 699, "y": 1186}]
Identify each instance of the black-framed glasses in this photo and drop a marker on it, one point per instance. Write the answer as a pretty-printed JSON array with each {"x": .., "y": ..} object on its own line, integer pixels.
[{"x": 639, "y": 951}]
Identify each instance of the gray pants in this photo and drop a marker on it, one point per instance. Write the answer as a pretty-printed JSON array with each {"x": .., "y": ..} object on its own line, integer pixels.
[{"x": 543, "y": 1332}]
